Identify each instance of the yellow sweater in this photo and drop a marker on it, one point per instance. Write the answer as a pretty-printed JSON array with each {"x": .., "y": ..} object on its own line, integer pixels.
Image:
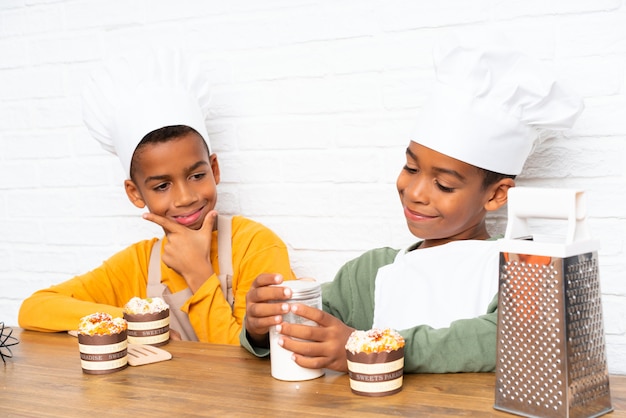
[{"x": 255, "y": 250}]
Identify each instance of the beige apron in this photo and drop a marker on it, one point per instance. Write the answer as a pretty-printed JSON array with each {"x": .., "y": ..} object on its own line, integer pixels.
[
  {"x": 179, "y": 320},
  {"x": 438, "y": 285}
]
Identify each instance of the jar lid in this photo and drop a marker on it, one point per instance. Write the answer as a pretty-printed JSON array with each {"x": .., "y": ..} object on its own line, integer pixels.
[{"x": 302, "y": 289}]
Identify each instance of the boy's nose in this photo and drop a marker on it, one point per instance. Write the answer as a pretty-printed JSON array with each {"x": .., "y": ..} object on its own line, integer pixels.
[
  {"x": 417, "y": 190},
  {"x": 184, "y": 196}
]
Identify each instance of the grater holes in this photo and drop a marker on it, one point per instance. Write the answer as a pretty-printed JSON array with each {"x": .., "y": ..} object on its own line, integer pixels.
[
  {"x": 529, "y": 334},
  {"x": 585, "y": 330}
]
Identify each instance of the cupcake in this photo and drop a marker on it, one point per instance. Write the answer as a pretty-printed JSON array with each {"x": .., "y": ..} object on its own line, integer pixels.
[
  {"x": 148, "y": 321},
  {"x": 102, "y": 343},
  {"x": 375, "y": 362}
]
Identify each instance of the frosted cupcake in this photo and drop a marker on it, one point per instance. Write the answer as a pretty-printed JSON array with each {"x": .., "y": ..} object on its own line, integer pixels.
[
  {"x": 148, "y": 321},
  {"x": 102, "y": 343},
  {"x": 375, "y": 362}
]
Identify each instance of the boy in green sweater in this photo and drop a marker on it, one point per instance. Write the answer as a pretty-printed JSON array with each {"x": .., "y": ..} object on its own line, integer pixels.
[{"x": 490, "y": 107}]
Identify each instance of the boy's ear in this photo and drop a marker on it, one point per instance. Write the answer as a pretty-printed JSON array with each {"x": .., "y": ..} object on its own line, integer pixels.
[
  {"x": 133, "y": 194},
  {"x": 500, "y": 194},
  {"x": 215, "y": 167}
]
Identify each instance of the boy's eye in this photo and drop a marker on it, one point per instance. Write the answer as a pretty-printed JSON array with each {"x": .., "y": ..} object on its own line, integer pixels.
[
  {"x": 409, "y": 169},
  {"x": 444, "y": 188},
  {"x": 160, "y": 187},
  {"x": 198, "y": 176}
]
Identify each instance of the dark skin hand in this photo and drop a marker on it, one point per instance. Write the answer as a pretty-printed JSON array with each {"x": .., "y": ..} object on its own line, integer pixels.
[
  {"x": 325, "y": 344},
  {"x": 260, "y": 314},
  {"x": 187, "y": 251}
]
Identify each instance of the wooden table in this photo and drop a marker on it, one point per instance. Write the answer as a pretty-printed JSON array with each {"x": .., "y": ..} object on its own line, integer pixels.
[{"x": 44, "y": 378}]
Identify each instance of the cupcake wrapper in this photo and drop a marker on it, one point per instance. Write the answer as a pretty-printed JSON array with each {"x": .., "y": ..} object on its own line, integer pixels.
[
  {"x": 103, "y": 354},
  {"x": 149, "y": 328},
  {"x": 376, "y": 374},
  {"x": 371, "y": 358}
]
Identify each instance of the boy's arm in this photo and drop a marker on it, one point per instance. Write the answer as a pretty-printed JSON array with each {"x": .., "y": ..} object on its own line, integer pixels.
[
  {"x": 468, "y": 345},
  {"x": 350, "y": 296},
  {"x": 256, "y": 250},
  {"x": 104, "y": 289},
  {"x": 59, "y": 308},
  {"x": 347, "y": 304},
  {"x": 246, "y": 343},
  {"x": 344, "y": 297}
]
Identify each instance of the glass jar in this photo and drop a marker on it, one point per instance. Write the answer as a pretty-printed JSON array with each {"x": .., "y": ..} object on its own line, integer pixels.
[{"x": 304, "y": 292}]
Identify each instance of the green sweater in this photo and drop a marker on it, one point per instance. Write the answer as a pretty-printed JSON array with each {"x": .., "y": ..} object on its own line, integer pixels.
[{"x": 467, "y": 345}]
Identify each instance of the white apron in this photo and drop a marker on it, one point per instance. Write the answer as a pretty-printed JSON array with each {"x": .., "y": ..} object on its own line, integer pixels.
[{"x": 435, "y": 286}]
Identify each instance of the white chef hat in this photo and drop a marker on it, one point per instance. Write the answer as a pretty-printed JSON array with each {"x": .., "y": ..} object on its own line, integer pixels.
[
  {"x": 491, "y": 104},
  {"x": 134, "y": 95}
]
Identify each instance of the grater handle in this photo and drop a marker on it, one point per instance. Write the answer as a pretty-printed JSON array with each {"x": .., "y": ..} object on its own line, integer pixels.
[{"x": 528, "y": 202}]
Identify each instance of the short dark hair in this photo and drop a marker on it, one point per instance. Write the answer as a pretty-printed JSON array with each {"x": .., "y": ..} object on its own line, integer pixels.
[
  {"x": 491, "y": 177},
  {"x": 164, "y": 134}
]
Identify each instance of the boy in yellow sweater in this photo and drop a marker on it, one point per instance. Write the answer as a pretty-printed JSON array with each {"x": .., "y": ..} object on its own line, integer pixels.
[{"x": 149, "y": 110}]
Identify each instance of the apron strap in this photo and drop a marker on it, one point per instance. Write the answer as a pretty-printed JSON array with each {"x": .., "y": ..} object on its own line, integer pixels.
[
  {"x": 225, "y": 257},
  {"x": 179, "y": 320},
  {"x": 155, "y": 287}
]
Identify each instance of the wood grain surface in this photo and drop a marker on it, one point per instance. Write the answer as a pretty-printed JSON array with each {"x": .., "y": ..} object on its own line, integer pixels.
[{"x": 44, "y": 379}]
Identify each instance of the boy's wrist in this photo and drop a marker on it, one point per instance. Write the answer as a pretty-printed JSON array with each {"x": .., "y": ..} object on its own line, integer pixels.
[
  {"x": 258, "y": 340},
  {"x": 196, "y": 279}
]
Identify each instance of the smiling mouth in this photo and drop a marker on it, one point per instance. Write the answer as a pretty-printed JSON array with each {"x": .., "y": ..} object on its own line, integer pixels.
[
  {"x": 188, "y": 219},
  {"x": 416, "y": 216}
]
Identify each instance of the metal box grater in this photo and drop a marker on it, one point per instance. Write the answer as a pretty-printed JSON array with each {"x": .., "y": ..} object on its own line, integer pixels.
[{"x": 550, "y": 359}]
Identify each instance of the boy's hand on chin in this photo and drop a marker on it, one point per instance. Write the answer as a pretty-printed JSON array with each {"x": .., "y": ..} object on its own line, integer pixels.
[{"x": 187, "y": 251}]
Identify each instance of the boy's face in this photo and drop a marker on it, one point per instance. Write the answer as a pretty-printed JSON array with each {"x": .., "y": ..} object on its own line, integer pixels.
[
  {"x": 443, "y": 198},
  {"x": 176, "y": 179}
]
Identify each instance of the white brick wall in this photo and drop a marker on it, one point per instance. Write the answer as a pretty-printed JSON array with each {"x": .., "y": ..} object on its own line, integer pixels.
[{"x": 313, "y": 101}]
